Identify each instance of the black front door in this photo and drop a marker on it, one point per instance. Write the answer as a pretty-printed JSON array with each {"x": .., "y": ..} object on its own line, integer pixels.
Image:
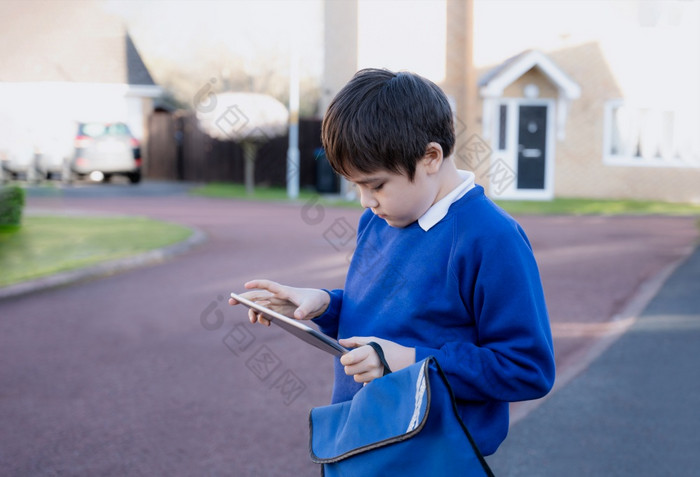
[{"x": 532, "y": 138}]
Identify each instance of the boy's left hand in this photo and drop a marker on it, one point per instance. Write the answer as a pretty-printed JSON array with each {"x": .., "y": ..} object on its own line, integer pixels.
[{"x": 363, "y": 363}]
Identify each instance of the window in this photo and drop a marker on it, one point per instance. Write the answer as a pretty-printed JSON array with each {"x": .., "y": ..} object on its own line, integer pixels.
[
  {"x": 660, "y": 13},
  {"x": 502, "y": 122},
  {"x": 650, "y": 136}
]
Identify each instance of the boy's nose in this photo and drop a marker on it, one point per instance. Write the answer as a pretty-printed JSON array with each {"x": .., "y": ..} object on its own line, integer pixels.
[{"x": 366, "y": 200}]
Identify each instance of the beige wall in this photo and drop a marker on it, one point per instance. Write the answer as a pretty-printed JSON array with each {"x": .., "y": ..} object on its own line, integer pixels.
[{"x": 535, "y": 77}]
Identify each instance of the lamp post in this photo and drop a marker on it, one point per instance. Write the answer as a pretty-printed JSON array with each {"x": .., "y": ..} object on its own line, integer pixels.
[{"x": 293, "y": 165}]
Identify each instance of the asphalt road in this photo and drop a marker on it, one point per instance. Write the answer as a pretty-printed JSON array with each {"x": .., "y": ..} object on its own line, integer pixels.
[
  {"x": 634, "y": 411},
  {"x": 149, "y": 372}
]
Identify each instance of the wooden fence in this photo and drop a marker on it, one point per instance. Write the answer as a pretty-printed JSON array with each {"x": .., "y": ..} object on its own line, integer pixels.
[{"x": 178, "y": 150}]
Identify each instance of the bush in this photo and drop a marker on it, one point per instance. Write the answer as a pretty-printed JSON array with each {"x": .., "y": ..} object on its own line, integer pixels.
[{"x": 11, "y": 204}]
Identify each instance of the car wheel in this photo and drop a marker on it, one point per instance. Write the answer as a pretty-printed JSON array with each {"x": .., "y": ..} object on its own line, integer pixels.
[
  {"x": 135, "y": 177},
  {"x": 32, "y": 175},
  {"x": 67, "y": 174}
]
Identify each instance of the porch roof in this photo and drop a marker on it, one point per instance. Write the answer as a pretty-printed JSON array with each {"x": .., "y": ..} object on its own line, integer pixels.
[{"x": 495, "y": 81}]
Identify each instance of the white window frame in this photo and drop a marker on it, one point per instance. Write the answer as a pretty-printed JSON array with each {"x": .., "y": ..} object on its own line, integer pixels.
[{"x": 610, "y": 159}]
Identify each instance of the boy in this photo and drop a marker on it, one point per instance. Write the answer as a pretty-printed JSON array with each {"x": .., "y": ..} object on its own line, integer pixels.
[{"x": 438, "y": 268}]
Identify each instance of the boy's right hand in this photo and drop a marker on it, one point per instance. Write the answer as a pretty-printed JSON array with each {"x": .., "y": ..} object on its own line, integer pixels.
[{"x": 301, "y": 303}]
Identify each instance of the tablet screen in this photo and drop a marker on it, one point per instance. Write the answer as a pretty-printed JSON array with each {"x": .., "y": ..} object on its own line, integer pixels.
[{"x": 296, "y": 327}]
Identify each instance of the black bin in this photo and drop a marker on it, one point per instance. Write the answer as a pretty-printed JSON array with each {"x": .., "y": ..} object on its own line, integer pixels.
[{"x": 327, "y": 181}]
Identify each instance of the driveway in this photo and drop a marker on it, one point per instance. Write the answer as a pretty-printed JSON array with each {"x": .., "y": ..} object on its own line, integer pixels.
[{"x": 148, "y": 372}]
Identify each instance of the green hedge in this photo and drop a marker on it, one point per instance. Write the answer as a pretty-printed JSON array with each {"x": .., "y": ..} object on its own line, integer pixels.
[{"x": 11, "y": 204}]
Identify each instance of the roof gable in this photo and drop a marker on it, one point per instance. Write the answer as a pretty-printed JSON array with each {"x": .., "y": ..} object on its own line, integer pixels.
[
  {"x": 67, "y": 41},
  {"x": 496, "y": 80}
]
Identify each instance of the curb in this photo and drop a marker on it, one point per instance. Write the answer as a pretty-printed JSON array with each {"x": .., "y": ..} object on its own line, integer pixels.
[{"x": 111, "y": 267}]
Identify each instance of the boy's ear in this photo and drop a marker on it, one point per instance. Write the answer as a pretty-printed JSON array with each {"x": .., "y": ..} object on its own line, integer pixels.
[{"x": 432, "y": 159}]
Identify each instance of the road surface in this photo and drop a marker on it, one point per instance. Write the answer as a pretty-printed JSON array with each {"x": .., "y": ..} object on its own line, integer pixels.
[{"x": 149, "y": 372}]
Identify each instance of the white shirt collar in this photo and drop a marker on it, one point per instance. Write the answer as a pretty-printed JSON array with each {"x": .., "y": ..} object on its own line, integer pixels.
[{"x": 438, "y": 210}]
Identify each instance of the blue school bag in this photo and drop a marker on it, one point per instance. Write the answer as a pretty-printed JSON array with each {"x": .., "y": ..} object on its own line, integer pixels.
[{"x": 405, "y": 424}]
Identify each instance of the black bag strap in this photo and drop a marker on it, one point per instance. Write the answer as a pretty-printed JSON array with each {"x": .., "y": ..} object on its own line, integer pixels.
[
  {"x": 380, "y": 352},
  {"x": 479, "y": 455}
]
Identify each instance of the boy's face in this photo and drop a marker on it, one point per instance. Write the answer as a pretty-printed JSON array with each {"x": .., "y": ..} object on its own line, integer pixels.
[{"x": 393, "y": 197}]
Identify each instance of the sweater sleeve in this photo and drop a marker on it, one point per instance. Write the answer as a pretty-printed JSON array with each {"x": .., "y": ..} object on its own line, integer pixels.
[
  {"x": 328, "y": 321},
  {"x": 512, "y": 358}
]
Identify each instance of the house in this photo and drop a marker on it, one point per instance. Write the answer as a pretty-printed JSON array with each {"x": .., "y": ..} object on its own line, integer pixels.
[
  {"x": 555, "y": 99},
  {"x": 604, "y": 137},
  {"x": 65, "y": 62}
]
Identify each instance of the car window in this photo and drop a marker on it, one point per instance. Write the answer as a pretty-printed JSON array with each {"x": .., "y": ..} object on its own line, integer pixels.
[
  {"x": 119, "y": 128},
  {"x": 92, "y": 130},
  {"x": 98, "y": 129}
]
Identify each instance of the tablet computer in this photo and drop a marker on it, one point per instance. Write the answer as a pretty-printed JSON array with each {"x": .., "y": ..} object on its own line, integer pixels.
[{"x": 296, "y": 327}]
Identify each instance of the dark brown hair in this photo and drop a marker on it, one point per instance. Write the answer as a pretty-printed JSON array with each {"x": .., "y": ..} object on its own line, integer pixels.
[{"x": 383, "y": 120}]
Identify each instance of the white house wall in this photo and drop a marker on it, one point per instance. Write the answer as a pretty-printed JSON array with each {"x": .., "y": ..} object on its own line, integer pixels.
[{"x": 50, "y": 111}]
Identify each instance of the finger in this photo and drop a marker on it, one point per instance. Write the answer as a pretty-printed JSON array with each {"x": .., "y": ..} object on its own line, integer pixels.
[
  {"x": 303, "y": 311},
  {"x": 261, "y": 318},
  {"x": 300, "y": 313},
  {"x": 269, "y": 285},
  {"x": 364, "y": 371},
  {"x": 356, "y": 369},
  {"x": 256, "y": 317},
  {"x": 367, "y": 377},
  {"x": 355, "y": 356},
  {"x": 272, "y": 300},
  {"x": 252, "y": 316},
  {"x": 257, "y": 295},
  {"x": 355, "y": 341}
]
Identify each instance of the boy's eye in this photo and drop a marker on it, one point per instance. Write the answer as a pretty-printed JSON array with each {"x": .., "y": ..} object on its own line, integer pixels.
[{"x": 379, "y": 187}]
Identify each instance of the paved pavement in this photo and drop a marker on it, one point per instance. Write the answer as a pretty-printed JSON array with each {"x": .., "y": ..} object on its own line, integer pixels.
[
  {"x": 119, "y": 187},
  {"x": 147, "y": 372},
  {"x": 634, "y": 411}
]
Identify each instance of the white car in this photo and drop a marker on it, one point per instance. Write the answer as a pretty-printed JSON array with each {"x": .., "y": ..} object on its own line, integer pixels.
[
  {"x": 18, "y": 158},
  {"x": 106, "y": 149}
]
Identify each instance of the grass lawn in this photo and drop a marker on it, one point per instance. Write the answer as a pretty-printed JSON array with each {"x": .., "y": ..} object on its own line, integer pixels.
[
  {"x": 559, "y": 206},
  {"x": 227, "y": 190},
  {"x": 564, "y": 206},
  {"x": 46, "y": 245}
]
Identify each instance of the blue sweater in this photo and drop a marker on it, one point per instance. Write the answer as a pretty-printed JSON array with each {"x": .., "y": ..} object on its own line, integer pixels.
[{"x": 467, "y": 292}]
